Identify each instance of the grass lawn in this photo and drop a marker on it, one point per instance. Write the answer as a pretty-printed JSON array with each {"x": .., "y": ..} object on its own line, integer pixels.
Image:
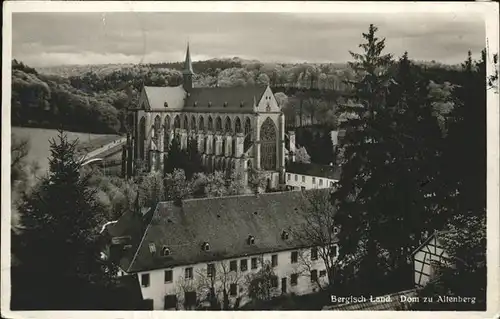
[{"x": 40, "y": 147}]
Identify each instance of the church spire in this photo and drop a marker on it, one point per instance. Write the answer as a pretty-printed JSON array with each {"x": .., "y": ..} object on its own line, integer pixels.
[
  {"x": 187, "y": 72},
  {"x": 188, "y": 67}
]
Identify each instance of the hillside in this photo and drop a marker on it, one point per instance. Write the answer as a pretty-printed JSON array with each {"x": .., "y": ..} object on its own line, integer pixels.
[
  {"x": 93, "y": 98},
  {"x": 40, "y": 146}
]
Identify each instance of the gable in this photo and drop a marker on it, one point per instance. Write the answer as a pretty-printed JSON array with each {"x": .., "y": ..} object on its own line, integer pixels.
[
  {"x": 143, "y": 103},
  {"x": 268, "y": 102}
]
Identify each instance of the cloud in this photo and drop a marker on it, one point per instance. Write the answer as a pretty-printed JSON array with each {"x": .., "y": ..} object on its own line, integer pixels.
[{"x": 42, "y": 39}]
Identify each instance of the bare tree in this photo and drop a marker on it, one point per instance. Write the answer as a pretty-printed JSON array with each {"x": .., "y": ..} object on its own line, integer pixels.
[
  {"x": 262, "y": 286},
  {"x": 319, "y": 228},
  {"x": 214, "y": 285}
]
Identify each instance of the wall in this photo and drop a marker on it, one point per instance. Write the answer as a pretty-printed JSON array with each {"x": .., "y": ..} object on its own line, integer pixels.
[
  {"x": 158, "y": 288},
  {"x": 423, "y": 271},
  {"x": 298, "y": 181}
]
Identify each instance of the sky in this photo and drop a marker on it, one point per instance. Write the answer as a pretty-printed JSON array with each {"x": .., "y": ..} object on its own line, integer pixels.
[{"x": 51, "y": 39}]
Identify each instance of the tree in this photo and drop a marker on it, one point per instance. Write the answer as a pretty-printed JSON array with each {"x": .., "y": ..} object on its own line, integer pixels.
[
  {"x": 177, "y": 186},
  {"x": 60, "y": 221},
  {"x": 356, "y": 213},
  {"x": 193, "y": 163},
  {"x": 260, "y": 284},
  {"x": 464, "y": 196},
  {"x": 152, "y": 189},
  {"x": 281, "y": 98},
  {"x": 463, "y": 273},
  {"x": 301, "y": 155},
  {"x": 176, "y": 158},
  {"x": 320, "y": 230},
  {"x": 257, "y": 180},
  {"x": 214, "y": 285}
]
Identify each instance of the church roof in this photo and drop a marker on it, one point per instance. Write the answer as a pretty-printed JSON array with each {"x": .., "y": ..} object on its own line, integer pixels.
[
  {"x": 210, "y": 99},
  {"x": 224, "y": 98},
  {"x": 225, "y": 223},
  {"x": 174, "y": 96}
]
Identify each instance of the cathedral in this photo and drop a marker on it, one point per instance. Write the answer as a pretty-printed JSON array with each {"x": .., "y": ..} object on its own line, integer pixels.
[{"x": 235, "y": 128}]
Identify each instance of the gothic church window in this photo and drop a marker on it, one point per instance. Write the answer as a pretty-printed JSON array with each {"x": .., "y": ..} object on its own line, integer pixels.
[
  {"x": 201, "y": 124},
  {"x": 177, "y": 122},
  {"x": 218, "y": 124},
  {"x": 268, "y": 145},
  {"x": 237, "y": 125},
  {"x": 227, "y": 127},
  {"x": 210, "y": 123},
  {"x": 193, "y": 123}
]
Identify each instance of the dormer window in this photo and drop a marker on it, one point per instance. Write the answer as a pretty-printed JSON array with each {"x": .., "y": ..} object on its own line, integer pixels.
[
  {"x": 251, "y": 240},
  {"x": 242, "y": 104},
  {"x": 284, "y": 235},
  {"x": 335, "y": 230},
  {"x": 225, "y": 104},
  {"x": 165, "y": 251},
  {"x": 165, "y": 104},
  {"x": 209, "y": 104},
  {"x": 152, "y": 248},
  {"x": 205, "y": 246},
  {"x": 195, "y": 103}
]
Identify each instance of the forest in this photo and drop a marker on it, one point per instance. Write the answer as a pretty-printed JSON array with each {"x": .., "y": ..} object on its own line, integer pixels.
[{"x": 94, "y": 99}]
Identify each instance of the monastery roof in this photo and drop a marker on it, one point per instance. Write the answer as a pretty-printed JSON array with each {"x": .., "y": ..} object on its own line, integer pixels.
[
  {"x": 209, "y": 99},
  {"x": 312, "y": 169},
  {"x": 225, "y": 223}
]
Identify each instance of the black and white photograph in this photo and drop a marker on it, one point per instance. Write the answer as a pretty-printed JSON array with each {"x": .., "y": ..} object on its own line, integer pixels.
[{"x": 248, "y": 156}]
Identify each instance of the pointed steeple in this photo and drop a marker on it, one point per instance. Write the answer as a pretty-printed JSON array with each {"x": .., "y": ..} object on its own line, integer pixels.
[{"x": 188, "y": 67}]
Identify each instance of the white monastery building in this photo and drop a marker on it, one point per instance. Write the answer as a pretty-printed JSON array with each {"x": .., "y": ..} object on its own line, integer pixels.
[{"x": 182, "y": 251}]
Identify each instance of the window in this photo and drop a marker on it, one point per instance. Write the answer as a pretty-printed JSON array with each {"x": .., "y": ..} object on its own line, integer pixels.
[
  {"x": 233, "y": 265},
  {"x": 233, "y": 289},
  {"x": 274, "y": 260},
  {"x": 251, "y": 240},
  {"x": 274, "y": 281},
  {"x": 294, "y": 257},
  {"x": 296, "y": 177},
  {"x": 168, "y": 275},
  {"x": 303, "y": 179},
  {"x": 268, "y": 148},
  {"x": 188, "y": 273},
  {"x": 254, "y": 263},
  {"x": 205, "y": 247},
  {"x": 288, "y": 176},
  {"x": 243, "y": 265},
  {"x": 170, "y": 302},
  {"x": 314, "y": 275},
  {"x": 322, "y": 273},
  {"x": 314, "y": 253},
  {"x": 284, "y": 235},
  {"x": 165, "y": 251},
  {"x": 293, "y": 279},
  {"x": 152, "y": 248},
  {"x": 145, "y": 280},
  {"x": 314, "y": 180},
  {"x": 320, "y": 182},
  {"x": 210, "y": 270}
]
